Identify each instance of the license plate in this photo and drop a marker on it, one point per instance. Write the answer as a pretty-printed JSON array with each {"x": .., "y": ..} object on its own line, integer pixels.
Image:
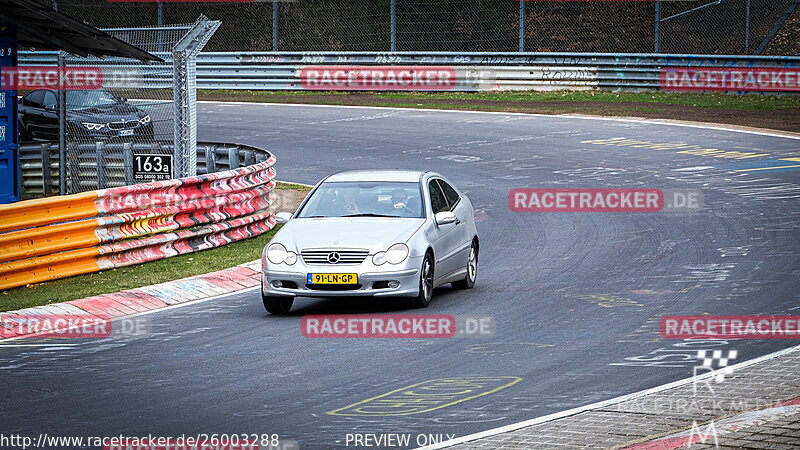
[
  {"x": 332, "y": 278},
  {"x": 126, "y": 132}
]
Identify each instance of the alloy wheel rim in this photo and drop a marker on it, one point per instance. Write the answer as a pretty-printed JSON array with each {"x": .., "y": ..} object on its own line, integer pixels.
[
  {"x": 427, "y": 280},
  {"x": 472, "y": 267}
]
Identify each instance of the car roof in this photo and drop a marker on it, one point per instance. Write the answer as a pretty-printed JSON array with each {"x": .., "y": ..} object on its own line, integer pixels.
[{"x": 378, "y": 175}]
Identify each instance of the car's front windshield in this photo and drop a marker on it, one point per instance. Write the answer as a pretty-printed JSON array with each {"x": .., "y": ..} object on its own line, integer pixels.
[
  {"x": 87, "y": 98},
  {"x": 364, "y": 199}
]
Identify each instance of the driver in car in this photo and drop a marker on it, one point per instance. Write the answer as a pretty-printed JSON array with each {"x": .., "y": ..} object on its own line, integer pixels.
[
  {"x": 400, "y": 202},
  {"x": 350, "y": 197}
]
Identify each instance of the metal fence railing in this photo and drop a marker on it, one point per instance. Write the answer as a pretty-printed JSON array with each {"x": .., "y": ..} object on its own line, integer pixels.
[
  {"x": 112, "y": 165},
  {"x": 130, "y": 102},
  {"x": 471, "y": 71}
]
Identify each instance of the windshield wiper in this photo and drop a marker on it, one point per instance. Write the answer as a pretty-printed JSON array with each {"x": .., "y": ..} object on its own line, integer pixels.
[{"x": 368, "y": 215}]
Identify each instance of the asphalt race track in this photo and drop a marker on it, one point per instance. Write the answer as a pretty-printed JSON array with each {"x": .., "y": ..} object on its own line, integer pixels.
[{"x": 576, "y": 297}]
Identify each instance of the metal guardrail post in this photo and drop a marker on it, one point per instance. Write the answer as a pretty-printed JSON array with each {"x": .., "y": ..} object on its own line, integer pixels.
[
  {"x": 100, "y": 154},
  {"x": 73, "y": 167},
  {"x": 47, "y": 185},
  {"x": 233, "y": 157},
  {"x": 249, "y": 157},
  {"x": 127, "y": 162},
  {"x": 211, "y": 158}
]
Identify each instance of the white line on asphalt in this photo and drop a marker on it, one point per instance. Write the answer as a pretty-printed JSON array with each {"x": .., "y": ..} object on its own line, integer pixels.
[
  {"x": 294, "y": 182},
  {"x": 152, "y": 311},
  {"x": 717, "y": 127},
  {"x": 2, "y": 344},
  {"x": 602, "y": 404}
]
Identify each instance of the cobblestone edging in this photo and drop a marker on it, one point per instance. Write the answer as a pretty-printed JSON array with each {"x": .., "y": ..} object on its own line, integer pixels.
[{"x": 756, "y": 406}]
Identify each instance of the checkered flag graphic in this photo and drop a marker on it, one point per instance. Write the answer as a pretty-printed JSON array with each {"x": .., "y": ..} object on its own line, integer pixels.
[{"x": 721, "y": 367}]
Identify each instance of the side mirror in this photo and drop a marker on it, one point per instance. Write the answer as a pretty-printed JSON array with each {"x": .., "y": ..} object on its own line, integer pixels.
[
  {"x": 445, "y": 218},
  {"x": 283, "y": 217}
]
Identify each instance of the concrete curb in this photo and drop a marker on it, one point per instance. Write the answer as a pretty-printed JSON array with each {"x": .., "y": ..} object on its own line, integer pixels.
[{"x": 149, "y": 298}]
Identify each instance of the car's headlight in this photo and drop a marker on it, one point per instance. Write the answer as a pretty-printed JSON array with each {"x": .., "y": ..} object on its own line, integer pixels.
[
  {"x": 93, "y": 126},
  {"x": 394, "y": 255},
  {"x": 144, "y": 120},
  {"x": 277, "y": 254}
]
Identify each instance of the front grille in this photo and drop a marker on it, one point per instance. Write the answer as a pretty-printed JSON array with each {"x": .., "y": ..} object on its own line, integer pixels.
[
  {"x": 123, "y": 125},
  {"x": 324, "y": 256}
]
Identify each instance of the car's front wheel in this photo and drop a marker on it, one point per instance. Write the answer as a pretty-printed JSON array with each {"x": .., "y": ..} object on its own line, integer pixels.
[
  {"x": 423, "y": 299},
  {"x": 277, "y": 305},
  {"x": 472, "y": 270}
]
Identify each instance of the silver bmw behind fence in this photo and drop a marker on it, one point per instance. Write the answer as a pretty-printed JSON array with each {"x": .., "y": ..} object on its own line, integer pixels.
[{"x": 377, "y": 233}]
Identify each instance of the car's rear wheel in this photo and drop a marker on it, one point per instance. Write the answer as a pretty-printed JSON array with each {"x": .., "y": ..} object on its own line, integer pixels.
[
  {"x": 472, "y": 270},
  {"x": 277, "y": 305},
  {"x": 423, "y": 299}
]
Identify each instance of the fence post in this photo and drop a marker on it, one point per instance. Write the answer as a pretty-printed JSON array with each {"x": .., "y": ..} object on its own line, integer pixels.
[
  {"x": 127, "y": 162},
  {"x": 521, "y": 26},
  {"x": 160, "y": 24},
  {"x": 47, "y": 187},
  {"x": 658, "y": 27},
  {"x": 747, "y": 27},
  {"x": 62, "y": 132},
  {"x": 184, "y": 79},
  {"x": 274, "y": 26},
  {"x": 393, "y": 25}
]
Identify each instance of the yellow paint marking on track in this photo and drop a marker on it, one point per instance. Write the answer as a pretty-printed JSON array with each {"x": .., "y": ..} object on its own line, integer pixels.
[
  {"x": 766, "y": 168},
  {"x": 426, "y": 396},
  {"x": 791, "y": 159},
  {"x": 682, "y": 147}
]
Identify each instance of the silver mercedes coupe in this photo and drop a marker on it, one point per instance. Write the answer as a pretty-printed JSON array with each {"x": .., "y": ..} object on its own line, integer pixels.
[{"x": 374, "y": 233}]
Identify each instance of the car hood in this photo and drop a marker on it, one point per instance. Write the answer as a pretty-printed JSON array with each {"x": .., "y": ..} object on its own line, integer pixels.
[
  {"x": 110, "y": 113},
  {"x": 375, "y": 234}
]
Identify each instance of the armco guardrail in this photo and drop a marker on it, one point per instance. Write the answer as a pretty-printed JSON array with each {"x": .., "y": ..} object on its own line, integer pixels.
[
  {"x": 105, "y": 165},
  {"x": 471, "y": 71},
  {"x": 56, "y": 237}
]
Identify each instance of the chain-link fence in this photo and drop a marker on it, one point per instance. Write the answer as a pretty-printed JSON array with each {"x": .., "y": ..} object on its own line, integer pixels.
[
  {"x": 117, "y": 120},
  {"x": 700, "y": 26},
  {"x": 133, "y": 106}
]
